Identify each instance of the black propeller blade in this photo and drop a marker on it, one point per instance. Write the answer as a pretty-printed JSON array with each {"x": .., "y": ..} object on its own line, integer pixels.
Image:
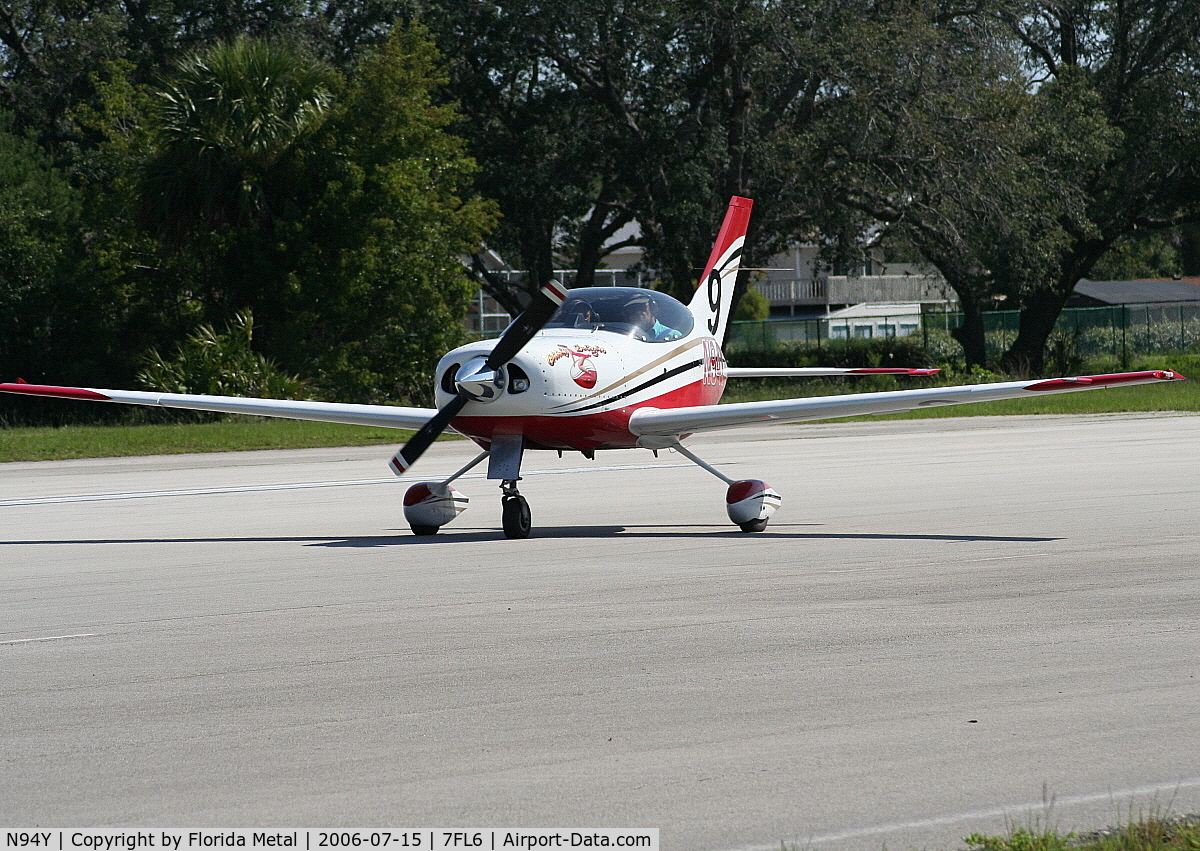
[
  {"x": 520, "y": 332},
  {"x": 428, "y": 433},
  {"x": 531, "y": 320}
]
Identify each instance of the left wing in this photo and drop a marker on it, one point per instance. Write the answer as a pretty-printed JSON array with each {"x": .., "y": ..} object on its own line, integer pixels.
[
  {"x": 331, "y": 412},
  {"x": 672, "y": 422}
]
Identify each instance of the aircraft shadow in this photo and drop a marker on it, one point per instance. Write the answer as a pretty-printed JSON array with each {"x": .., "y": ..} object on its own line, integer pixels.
[
  {"x": 404, "y": 538},
  {"x": 710, "y": 532}
]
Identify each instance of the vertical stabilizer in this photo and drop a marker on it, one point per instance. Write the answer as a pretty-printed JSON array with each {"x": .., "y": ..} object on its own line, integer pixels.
[{"x": 710, "y": 305}]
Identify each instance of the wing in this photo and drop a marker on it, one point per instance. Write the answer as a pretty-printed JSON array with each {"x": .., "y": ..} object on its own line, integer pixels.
[
  {"x": 659, "y": 422},
  {"x": 330, "y": 412},
  {"x": 810, "y": 371}
]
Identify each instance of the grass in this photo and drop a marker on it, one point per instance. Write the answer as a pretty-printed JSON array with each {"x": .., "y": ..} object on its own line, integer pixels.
[
  {"x": 229, "y": 435},
  {"x": 1181, "y": 396},
  {"x": 1174, "y": 396},
  {"x": 1150, "y": 833},
  {"x": 1144, "y": 833},
  {"x": 234, "y": 434}
]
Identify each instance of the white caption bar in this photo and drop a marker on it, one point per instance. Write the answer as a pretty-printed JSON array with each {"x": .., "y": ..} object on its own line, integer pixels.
[{"x": 313, "y": 839}]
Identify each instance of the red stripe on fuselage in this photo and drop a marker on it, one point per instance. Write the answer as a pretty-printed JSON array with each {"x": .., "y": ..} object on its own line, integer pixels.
[{"x": 603, "y": 430}]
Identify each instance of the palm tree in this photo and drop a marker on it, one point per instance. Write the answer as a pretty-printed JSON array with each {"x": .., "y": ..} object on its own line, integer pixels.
[{"x": 231, "y": 128}]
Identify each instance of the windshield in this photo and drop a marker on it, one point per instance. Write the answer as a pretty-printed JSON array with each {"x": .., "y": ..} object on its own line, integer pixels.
[{"x": 642, "y": 314}]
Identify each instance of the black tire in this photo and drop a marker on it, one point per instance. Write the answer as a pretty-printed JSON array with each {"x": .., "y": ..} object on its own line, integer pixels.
[
  {"x": 753, "y": 525},
  {"x": 516, "y": 517},
  {"x": 424, "y": 531}
]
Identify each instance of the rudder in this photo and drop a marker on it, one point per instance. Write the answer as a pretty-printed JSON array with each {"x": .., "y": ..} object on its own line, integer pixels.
[{"x": 714, "y": 295}]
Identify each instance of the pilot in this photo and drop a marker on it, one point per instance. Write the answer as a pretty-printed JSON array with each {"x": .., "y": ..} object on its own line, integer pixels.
[
  {"x": 638, "y": 310},
  {"x": 579, "y": 314}
]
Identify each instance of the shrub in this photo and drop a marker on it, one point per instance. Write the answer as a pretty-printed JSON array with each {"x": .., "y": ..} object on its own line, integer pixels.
[{"x": 219, "y": 364}]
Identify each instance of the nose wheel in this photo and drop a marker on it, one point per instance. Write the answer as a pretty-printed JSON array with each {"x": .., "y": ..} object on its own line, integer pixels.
[{"x": 515, "y": 515}]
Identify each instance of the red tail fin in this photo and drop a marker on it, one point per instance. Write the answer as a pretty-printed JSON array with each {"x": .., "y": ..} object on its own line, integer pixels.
[{"x": 710, "y": 305}]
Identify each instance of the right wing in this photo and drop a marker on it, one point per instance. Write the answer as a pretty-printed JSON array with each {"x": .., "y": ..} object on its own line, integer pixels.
[
  {"x": 810, "y": 371},
  {"x": 673, "y": 422},
  {"x": 388, "y": 416}
]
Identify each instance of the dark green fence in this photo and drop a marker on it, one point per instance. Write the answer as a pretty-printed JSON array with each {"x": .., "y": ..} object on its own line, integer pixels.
[{"x": 1119, "y": 331}]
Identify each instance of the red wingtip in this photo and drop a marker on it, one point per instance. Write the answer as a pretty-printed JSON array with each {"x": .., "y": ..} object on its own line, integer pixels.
[
  {"x": 22, "y": 381},
  {"x": 25, "y": 388},
  {"x": 1109, "y": 380}
]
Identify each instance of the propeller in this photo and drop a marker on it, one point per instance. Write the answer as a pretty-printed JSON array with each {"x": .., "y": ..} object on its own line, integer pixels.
[{"x": 475, "y": 384}]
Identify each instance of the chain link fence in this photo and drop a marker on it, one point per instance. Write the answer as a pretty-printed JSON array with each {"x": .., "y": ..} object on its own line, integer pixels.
[{"x": 1118, "y": 331}]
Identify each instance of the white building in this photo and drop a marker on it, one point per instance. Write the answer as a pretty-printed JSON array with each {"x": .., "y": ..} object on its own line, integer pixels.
[{"x": 868, "y": 321}]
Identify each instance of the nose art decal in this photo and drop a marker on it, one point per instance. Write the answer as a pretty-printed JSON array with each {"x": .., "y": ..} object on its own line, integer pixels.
[{"x": 583, "y": 371}]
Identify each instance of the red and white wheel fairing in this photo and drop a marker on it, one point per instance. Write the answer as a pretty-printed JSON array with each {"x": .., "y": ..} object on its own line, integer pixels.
[
  {"x": 750, "y": 501},
  {"x": 432, "y": 504}
]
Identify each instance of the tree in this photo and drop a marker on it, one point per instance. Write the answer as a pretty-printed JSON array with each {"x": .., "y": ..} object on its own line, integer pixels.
[
  {"x": 1136, "y": 61},
  {"x": 590, "y": 115},
  {"x": 227, "y": 171},
  {"x": 380, "y": 289},
  {"x": 551, "y": 158},
  {"x": 231, "y": 127},
  {"x": 1140, "y": 256},
  {"x": 263, "y": 197},
  {"x": 327, "y": 206},
  {"x": 38, "y": 212},
  {"x": 933, "y": 140},
  {"x": 47, "y": 50},
  {"x": 909, "y": 143},
  {"x": 50, "y": 48},
  {"x": 1014, "y": 143}
]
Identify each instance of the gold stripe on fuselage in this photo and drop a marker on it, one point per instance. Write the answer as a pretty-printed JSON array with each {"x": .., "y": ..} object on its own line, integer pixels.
[{"x": 633, "y": 376}]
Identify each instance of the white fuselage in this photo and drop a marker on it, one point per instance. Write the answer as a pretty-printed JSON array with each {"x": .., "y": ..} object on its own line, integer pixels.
[{"x": 573, "y": 389}]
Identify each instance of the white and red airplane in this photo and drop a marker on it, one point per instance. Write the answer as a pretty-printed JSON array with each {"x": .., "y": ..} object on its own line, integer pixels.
[{"x": 601, "y": 368}]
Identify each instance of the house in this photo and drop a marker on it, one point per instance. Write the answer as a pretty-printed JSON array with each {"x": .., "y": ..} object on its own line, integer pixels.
[
  {"x": 797, "y": 286},
  {"x": 867, "y": 321}
]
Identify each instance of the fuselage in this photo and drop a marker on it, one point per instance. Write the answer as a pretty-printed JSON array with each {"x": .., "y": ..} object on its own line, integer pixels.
[{"x": 575, "y": 388}]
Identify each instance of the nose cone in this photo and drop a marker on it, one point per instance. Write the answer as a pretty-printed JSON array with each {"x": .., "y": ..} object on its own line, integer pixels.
[{"x": 478, "y": 382}]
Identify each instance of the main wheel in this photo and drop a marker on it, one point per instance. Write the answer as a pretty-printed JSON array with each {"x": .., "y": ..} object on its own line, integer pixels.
[
  {"x": 422, "y": 531},
  {"x": 754, "y": 525},
  {"x": 516, "y": 516}
]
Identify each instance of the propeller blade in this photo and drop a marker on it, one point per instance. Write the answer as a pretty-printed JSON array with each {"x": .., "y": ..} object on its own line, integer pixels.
[
  {"x": 531, "y": 320},
  {"x": 419, "y": 442}
]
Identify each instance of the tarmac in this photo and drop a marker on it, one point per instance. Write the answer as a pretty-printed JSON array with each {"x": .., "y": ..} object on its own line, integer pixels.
[{"x": 950, "y": 626}]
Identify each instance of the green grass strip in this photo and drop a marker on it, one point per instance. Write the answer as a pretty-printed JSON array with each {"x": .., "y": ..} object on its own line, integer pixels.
[
  {"x": 1179, "y": 396},
  {"x": 229, "y": 435},
  {"x": 1181, "y": 833}
]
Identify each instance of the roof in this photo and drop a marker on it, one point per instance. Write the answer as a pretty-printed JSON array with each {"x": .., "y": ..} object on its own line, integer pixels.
[
  {"x": 883, "y": 311},
  {"x": 1146, "y": 291}
]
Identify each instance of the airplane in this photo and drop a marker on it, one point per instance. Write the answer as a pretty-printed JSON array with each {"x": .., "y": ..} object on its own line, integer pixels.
[{"x": 601, "y": 368}]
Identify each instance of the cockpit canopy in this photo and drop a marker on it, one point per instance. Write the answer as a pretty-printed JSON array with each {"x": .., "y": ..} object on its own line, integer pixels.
[{"x": 642, "y": 314}]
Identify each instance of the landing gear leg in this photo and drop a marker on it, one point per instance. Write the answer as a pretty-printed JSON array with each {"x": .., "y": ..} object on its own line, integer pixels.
[
  {"x": 505, "y": 465},
  {"x": 749, "y": 503},
  {"x": 515, "y": 511}
]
